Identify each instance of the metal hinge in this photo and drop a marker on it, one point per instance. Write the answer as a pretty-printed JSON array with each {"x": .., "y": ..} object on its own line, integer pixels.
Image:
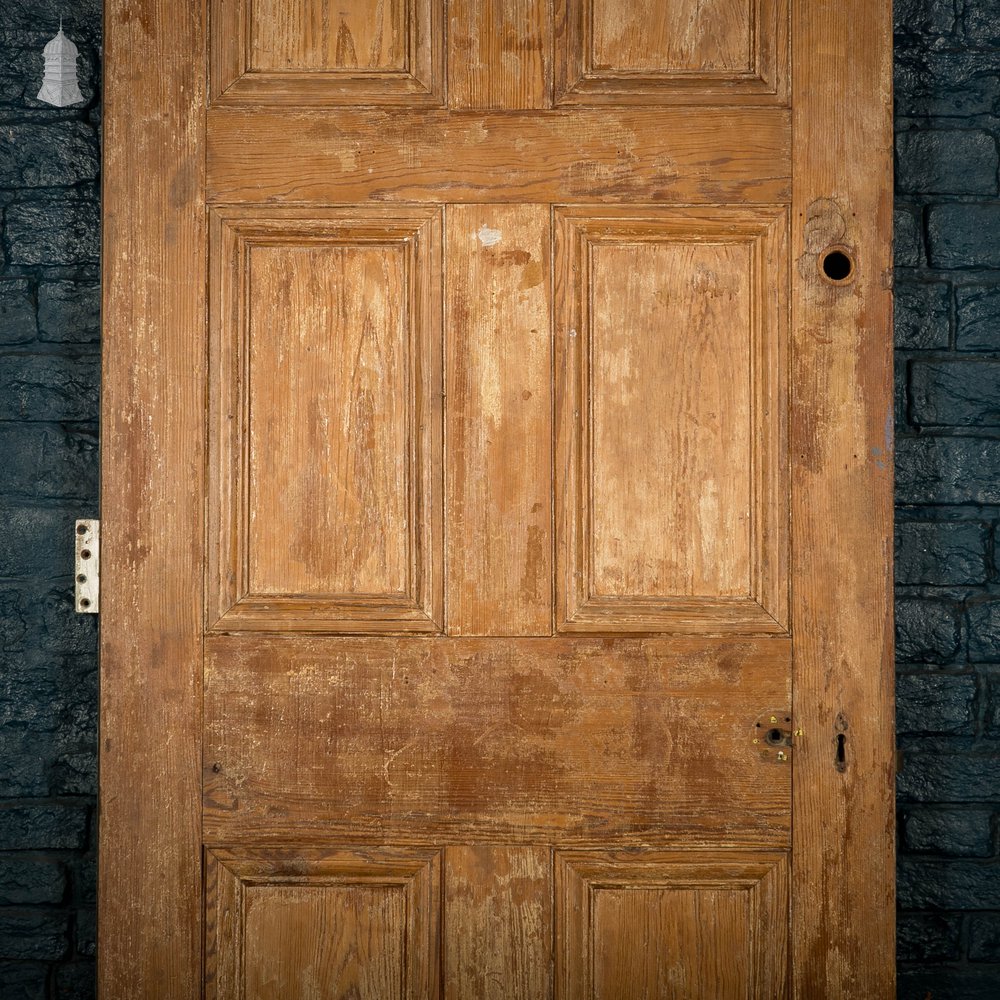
[{"x": 88, "y": 567}]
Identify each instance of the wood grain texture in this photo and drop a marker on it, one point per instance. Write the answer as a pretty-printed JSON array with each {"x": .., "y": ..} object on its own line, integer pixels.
[
  {"x": 313, "y": 924},
  {"x": 152, "y": 462},
  {"x": 701, "y": 36},
  {"x": 671, "y": 458},
  {"x": 498, "y": 923},
  {"x": 325, "y": 476},
  {"x": 499, "y": 420},
  {"x": 687, "y": 51},
  {"x": 843, "y": 856},
  {"x": 499, "y": 54},
  {"x": 667, "y": 155},
  {"x": 308, "y": 52},
  {"x": 309, "y": 35},
  {"x": 476, "y": 740},
  {"x": 660, "y": 925}
]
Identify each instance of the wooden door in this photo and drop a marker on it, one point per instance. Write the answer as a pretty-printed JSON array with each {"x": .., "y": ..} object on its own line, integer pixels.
[{"x": 497, "y": 500}]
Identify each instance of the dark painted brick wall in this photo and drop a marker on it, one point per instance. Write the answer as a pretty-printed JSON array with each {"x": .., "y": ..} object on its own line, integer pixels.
[
  {"x": 948, "y": 472},
  {"x": 948, "y": 496},
  {"x": 49, "y": 378}
]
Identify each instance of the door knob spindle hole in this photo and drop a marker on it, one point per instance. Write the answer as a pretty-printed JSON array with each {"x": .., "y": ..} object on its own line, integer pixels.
[{"x": 837, "y": 265}]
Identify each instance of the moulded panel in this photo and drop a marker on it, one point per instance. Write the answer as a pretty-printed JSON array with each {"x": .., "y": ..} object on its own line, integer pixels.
[
  {"x": 307, "y": 924},
  {"x": 683, "y": 51},
  {"x": 671, "y": 925},
  {"x": 312, "y": 52},
  {"x": 325, "y": 472},
  {"x": 671, "y": 472}
]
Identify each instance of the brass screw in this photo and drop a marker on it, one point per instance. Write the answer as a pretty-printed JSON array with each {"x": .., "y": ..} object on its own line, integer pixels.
[
  {"x": 774, "y": 718},
  {"x": 782, "y": 755}
]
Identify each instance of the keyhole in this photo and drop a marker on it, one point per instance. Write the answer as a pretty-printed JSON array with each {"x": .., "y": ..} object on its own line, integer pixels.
[
  {"x": 841, "y": 752},
  {"x": 837, "y": 265},
  {"x": 775, "y": 737}
]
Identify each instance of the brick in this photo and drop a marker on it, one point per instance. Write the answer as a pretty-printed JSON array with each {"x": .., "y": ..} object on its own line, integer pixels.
[
  {"x": 77, "y": 981},
  {"x": 36, "y": 542},
  {"x": 49, "y": 461},
  {"x": 946, "y": 161},
  {"x": 928, "y": 937},
  {"x": 922, "y": 316},
  {"x": 955, "y": 393},
  {"x": 964, "y": 235},
  {"x": 949, "y": 832},
  {"x": 82, "y": 16},
  {"x": 957, "y": 982},
  {"x": 947, "y": 470},
  {"x": 935, "y": 703},
  {"x": 85, "y": 881},
  {"x": 927, "y": 631},
  {"x": 41, "y": 935},
  {"x": 942, "y": 553},
  {"x": 982, "y": 23},
  {"x": 40, "y": 154},
  {"x": 949, "y": 777},
  {"x": 86, "y": 932},
  {"x": 69, "y": 312},
  {"x": 42, "y": 827},
  {"x": 907, "y": 240},
  {"x": 948, "y": 885},
  {"x": 23, "y": 981},
  {"x": 45, "y": 614},
  {"x": 31, "y": 882},
  {"x": 992, "y": 723},
  {"x": 978, "y": 318},
  {"x": 17, "y": 312},
  {"x": 75, "y": 773},
  {"x": 984, "y": 937},
  {"x": 49, "y": 388},
  {"x": 984, "y": 632},
  {"x": 24, "y": 771},
  {"x": 946, "y": 84},
  {"x": 923, "y": 20},
  {"x": 53, "y": 233}
]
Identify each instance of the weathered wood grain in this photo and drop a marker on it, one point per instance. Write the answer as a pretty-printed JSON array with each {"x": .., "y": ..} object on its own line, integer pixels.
[
  {"x": 675, "y": 155},
  {"x": 325, "y": 473},
  {"x": 727, "y": 52},
  {"x": 671, "y": 925},
  {"x": 524, "y": 740},
  {"x": 499, "y": 54},
  {"x": 843, "y": 856},
  {"x": 354, "y": 220},
  {"x": 313, "y": 924},
  {"x": 671, "y": 456},
  {"x": 309, "y": 52},
  {"x": 498, "y": 923},
  {"x": 309, "y": 35},
  {"x": 499, "y": 420},
  {"x": 152, "y": 468}
]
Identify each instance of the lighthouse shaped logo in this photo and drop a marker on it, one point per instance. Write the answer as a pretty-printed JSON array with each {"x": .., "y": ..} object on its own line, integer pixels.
[{"x": 60, "y": 86}]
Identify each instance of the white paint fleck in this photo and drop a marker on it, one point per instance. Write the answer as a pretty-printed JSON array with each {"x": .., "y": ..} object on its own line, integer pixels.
[{"x": 488, "y": 237}]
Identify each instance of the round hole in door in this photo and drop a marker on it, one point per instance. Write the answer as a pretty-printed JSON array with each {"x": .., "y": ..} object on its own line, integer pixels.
[{"x": 837, "y": 265}]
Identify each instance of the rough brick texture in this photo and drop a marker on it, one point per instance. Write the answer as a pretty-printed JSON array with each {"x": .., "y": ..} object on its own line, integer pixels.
[
  {"x": 948, "y": 501},
  {"x": 948, "y": 496},
  {"x": 49, "y": 379}
]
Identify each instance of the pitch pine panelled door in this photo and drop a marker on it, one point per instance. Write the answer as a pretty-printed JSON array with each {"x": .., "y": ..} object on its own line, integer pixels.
[{"x": 496, "y": 500}]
